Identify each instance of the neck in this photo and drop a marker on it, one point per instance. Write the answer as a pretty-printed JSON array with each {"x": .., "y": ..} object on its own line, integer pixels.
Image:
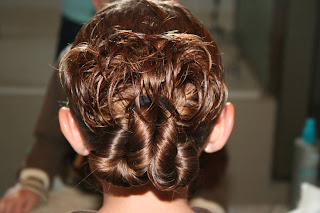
[{"x": 144, "y": 199}]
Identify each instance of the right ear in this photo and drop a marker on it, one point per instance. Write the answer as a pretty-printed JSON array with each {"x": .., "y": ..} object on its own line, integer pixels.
[
  {"x": 221, "y": 130},
  {"x": 71, "y": 131}
]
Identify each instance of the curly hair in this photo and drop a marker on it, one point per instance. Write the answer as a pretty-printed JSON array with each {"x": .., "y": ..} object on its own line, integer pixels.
[{"x": 145, "y": 85}]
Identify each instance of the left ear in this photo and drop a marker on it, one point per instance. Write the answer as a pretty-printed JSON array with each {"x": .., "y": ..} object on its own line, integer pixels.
[
  {"x": 221, "y": 130},
  {"x": 71, "y": 131}
]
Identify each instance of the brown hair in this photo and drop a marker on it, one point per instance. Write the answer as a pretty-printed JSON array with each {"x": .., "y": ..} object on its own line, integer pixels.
[{"x": 145, "y": 84}]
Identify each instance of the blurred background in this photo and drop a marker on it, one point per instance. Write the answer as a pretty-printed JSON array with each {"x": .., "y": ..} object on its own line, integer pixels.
[{"x": 270, "y": 51}]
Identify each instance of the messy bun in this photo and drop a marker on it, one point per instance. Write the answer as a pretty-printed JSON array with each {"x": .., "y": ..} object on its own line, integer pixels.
[{"x": 145, "y": 99}]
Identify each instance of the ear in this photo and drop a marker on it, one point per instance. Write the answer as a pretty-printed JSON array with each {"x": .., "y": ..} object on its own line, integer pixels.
[
  {"x": 71, "y": 131},
  {"x": 221, "y": 130}
]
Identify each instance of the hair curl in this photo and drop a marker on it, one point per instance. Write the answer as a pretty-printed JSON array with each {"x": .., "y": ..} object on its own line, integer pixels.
[{"x": 145, "y": 92}]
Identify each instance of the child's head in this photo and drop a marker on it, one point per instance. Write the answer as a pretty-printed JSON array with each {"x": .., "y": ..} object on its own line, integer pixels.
[{"x": 145, "y": 86}]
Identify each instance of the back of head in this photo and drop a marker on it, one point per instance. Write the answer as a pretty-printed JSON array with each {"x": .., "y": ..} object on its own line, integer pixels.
[{"x": 145, "y": 84}]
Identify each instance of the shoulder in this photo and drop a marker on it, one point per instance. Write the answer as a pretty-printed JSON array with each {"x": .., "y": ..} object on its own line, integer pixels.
[{"x": 200, "y": 210}]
